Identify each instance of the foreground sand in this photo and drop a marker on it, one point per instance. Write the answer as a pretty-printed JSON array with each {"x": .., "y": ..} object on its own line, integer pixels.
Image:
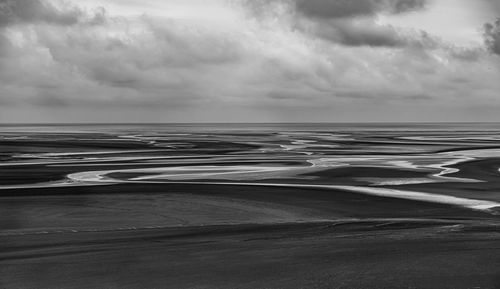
[
  {"x": 287, "y": 256},
  {"x": 256, "y": 237}
]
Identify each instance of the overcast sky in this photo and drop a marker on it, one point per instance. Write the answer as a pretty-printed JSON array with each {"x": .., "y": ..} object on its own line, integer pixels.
[{"x": 249, "y": 60}]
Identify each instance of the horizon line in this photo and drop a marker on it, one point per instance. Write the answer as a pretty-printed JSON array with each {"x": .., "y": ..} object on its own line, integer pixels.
[{"x": 244, "y": 123}]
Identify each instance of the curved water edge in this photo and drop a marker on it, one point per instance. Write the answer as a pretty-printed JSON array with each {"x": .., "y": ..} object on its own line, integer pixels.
[
  {"x": 97, "y": 177},
  {"x": 239, "y": 175}
]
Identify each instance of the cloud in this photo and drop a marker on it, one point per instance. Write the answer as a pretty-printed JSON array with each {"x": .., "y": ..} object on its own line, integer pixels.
[
  {"x": 145, "y": 55},
  {"x": 39, "y": 11},
  {"x": 350, "y": 23},
  {"x": 494, "y": 5},
  {"x": 403, "y": 6},
  {"x": 367, "y": 32},
  {"x": 144, "y": 61},
  {"x": 191, "y": 67},
  {"x": 492, "y": 36},
  {"x": 330, "y": 9},
  {"x": 20, "y": 11}
]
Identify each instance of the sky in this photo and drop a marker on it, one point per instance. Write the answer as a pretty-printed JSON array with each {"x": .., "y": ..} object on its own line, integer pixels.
[{"x": 249, "y": 61}]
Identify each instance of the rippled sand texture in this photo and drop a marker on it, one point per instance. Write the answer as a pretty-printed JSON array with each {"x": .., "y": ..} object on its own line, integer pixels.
[{"x": 250, "y": 206}]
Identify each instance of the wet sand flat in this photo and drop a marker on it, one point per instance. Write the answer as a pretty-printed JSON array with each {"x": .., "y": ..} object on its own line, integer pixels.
[
  {"x": 317, "y": 255},
  {"x": 244, "y": 237},
  {"x": 249, "y": 207}
]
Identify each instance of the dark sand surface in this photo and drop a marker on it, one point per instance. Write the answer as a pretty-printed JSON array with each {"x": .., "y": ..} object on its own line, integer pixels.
[
  {"x": 241, "y": 237},
  {"x": 313, "y": 255},
  {"x": 191, "y": 204}
]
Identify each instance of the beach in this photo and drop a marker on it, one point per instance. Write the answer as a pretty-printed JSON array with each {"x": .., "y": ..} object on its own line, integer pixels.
[{"x": 177, "y": 207}]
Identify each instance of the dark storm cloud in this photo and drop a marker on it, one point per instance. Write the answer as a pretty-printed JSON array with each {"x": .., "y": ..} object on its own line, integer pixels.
[
  {"x": 366, "y": 32},
  {"x": 359, "y": 34},
  {"x": 492, "y": 36},
  {"x": 340, "y": 21},
  {"x": 328, "y": 9},
  {"x": 403, "y": 6},
  {"x": 350, "y": 23},
  {"x": 38, "y": 11}
]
